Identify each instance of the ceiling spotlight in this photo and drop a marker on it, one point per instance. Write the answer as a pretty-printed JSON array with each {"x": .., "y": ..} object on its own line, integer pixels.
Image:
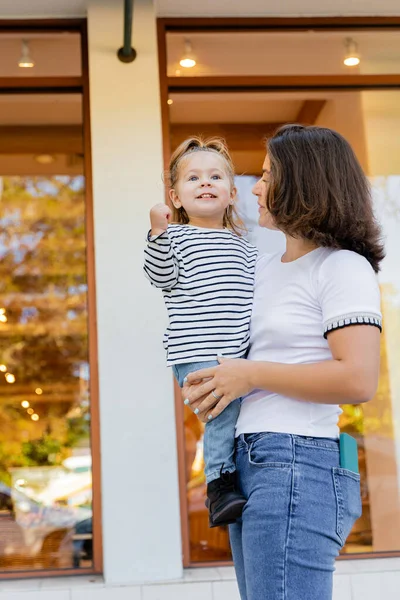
[
  {"x": 25, "y": 62},
  {"x": 170, "y": 101},
  {"x": 188, "y": 59},
  {"x": 352, "y": 57}
]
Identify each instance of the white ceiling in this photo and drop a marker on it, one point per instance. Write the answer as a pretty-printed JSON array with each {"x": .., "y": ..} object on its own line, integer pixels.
[{"x": 209, "y": 8}]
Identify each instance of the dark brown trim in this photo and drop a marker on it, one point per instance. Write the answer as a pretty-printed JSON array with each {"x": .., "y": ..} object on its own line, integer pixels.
[
  {"x": 92, "y": 318},
  {"x": 362, "y": 555},
  {"x": 242, "y": 83},
  {"x": 210, "y": 563},
  {"x": 184, "y": 509},
  {"x": 27, "y": 85},
  {"x": 341, "y": 557},
  {"x": 41, "y": 25},
  {"x": 275, "y": 24},
  {"x": 47, "y": 573}
]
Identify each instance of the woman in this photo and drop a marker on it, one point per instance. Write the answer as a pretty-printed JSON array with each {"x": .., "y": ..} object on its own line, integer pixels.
[{"x": 314, "y": 332}]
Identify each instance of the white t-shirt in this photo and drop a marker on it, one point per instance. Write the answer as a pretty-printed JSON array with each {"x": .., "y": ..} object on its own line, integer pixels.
[{"x": 296, "y": 304}]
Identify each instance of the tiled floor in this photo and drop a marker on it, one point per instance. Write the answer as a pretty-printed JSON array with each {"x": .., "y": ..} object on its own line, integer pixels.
[{"x": 377, "y": 579}]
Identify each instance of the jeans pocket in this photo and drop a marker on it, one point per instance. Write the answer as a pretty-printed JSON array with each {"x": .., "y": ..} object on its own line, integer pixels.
[
  {"x": 348, "y": 501},
  {"x": 267, "y": 451}
]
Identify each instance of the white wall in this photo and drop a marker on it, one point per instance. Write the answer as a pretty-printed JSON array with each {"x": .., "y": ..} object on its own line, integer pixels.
[{"x": 141, "y": 526}]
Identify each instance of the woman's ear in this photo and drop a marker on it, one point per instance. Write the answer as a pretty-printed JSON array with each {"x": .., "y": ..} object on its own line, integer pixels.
[{"x": 174, "y": 199}]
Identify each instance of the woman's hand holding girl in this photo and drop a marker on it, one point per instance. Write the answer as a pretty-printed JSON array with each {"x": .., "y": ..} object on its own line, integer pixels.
[{"x": 209, "y": 391}]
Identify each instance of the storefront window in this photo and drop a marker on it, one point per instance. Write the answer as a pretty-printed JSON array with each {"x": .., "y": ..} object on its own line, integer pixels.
[
  {"x": 45, "y": 442},
  {"x": 370, "y": 121}
]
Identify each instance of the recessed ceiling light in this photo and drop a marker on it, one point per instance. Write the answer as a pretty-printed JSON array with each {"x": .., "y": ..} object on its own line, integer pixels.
[
  {"x": 188, "y": 61},
  {"x": 25, "y": 61},
  {"x": 352, "y": 57}
]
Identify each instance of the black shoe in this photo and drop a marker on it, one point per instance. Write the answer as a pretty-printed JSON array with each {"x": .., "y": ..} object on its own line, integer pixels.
[{"x": 224, "y": 502}]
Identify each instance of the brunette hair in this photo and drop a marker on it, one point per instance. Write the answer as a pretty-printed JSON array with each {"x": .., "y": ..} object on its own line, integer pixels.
[
  {"x": 318, "y": 191},
  {"x": 198, "y": 144}
]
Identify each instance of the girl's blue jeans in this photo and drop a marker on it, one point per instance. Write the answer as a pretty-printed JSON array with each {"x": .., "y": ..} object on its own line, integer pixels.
[
  {"x": 300, "y": 509},
  {"x": 219, "y": 434}
]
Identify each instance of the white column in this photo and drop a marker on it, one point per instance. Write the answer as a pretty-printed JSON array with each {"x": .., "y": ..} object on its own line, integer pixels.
[{"x": 141, "y": 526}]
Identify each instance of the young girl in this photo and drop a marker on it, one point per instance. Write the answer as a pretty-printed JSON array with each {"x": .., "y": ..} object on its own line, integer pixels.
[{"x": 206, "y": 272}]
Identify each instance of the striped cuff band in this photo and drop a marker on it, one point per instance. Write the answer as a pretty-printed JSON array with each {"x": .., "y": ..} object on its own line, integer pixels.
[{"x": 346, "y": 320}]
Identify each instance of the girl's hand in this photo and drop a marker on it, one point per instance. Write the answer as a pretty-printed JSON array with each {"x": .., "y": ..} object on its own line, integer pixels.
[
  {"x": 160, "y": 215},
  {"x": 210, "y": 391}
]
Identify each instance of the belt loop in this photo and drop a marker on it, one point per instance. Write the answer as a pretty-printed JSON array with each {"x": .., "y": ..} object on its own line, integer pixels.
[{"x": 244, "y": 441}]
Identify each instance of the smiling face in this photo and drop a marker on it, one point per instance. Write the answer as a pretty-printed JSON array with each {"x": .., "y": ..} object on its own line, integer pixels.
[
  {"x": 260, "y": 190},
  {"x": 204, "y": 188}
]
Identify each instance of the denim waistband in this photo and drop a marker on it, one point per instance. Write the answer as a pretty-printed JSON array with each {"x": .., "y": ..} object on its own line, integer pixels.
[{"x": 246, "y": 439}]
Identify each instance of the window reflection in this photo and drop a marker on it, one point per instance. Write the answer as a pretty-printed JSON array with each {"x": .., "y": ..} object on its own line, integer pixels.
[{"x": 45, "y": 458}]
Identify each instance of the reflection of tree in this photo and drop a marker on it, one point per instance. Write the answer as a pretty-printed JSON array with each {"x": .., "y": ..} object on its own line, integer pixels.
[{"x": 43, "y": 342}]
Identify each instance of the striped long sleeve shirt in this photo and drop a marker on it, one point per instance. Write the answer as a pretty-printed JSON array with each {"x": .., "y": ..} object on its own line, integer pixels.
[{"x": 207, "y": 279}]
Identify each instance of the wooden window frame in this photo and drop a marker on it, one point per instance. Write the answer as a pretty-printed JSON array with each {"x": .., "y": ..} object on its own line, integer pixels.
[
  {"x": 245, "y": 83},
  {"x": 71, "y": 85}
]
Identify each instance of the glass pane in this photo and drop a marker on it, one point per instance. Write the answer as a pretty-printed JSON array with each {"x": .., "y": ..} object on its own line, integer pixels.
[
  {"x": 32, "y": 54},
  {"x": 283, "y": 53},
  {"x": 370, "y": 121},
  {"x": 45, "y": 454}
]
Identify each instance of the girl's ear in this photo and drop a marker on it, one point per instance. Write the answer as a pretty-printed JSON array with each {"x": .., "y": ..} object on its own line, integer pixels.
[
  {"x": 174, "y": 199},
  {"x": 233, "y": 196}
]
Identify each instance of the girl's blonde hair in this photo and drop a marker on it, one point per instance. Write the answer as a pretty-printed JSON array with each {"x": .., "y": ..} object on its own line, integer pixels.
[{"x": 231, "y": 219}]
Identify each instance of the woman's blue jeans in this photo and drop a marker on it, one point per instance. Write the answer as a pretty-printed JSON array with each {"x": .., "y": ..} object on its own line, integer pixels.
[{"x": 300, "y": 508}]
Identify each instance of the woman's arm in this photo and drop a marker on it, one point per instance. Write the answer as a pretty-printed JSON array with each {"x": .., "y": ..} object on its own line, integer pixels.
[{"x": 351, "y": 377}]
